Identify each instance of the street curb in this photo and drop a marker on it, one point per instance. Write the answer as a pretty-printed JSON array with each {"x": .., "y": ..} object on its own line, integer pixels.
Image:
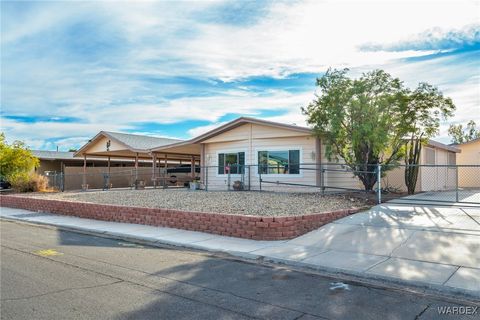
[{"x": 372, "y": 280}]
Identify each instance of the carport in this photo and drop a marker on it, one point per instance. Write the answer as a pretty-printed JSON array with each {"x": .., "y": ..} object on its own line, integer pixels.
[
  {"x": 154, "y": 150},
  {"x": 179, "y": 150}
]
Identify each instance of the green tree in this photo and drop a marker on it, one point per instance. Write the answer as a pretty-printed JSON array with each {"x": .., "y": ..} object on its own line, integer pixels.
[
  {"x": 460, "y": 135},
  {"x": 365, "y": 121},
  {"x": 15, "y": 158},
  {"x": 425, "y": 109}
]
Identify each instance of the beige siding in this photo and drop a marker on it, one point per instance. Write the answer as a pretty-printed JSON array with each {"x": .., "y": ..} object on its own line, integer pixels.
[
  {"x": 306, "y": 145},
  {"x": 235, "y": 134},
  {"x": 430, "y": 177},
  {"x": 333, "y": 178},
  {"x": 101, "y": 146},
  {"x": 255, "y": 131},
  {"x": 395, "y": 179},
  {"x": 469, "y": 177},
  {"x": 437, "y": 178},
  {"x": 250, "y": 139}
]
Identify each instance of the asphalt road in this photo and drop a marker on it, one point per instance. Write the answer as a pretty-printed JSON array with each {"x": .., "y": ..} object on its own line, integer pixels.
[{"x": 52, "y": 274}]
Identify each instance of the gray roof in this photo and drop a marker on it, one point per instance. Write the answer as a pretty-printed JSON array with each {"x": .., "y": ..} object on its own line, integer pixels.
[
  {"x": 53, "y": 155},
  {"x": 443, "y": 146},
  {"x": 139, "y": 142}
]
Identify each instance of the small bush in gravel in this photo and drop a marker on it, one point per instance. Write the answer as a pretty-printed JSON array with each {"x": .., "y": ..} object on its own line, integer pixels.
[{"x": 28, "y": 182}]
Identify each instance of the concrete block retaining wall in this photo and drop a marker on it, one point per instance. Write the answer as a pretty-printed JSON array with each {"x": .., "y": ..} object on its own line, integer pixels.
[{"x": 241, "y": 226}]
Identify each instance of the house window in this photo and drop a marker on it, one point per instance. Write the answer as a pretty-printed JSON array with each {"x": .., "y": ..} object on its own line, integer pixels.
[
  {"x": 452, "y": 158},
  {"x": 430, "y": 156},
  {"x": 279, "y": 162},
  {"x": 233, "y": 161}
]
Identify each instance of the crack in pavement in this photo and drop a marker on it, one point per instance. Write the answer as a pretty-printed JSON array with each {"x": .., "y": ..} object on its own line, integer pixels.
[
  {"x": 402, "y": 243},
  {"x": 422, "y": 312},
  {"x": 470, "y": 216}
]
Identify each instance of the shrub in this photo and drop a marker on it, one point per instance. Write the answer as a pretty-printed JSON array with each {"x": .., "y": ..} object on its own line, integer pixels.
[
  {"x": 28, "y": 182},
  {"x": 15, "y": 158}
]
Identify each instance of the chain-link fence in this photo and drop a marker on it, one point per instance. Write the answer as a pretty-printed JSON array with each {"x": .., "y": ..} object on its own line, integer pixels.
[
  {"x": 307, "y": 177},
  {"x": 380, "y": 183},
  {"x": 435, "y": 183}
]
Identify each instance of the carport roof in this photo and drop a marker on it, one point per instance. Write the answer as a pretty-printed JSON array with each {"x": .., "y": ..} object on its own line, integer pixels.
[
  {"x": 140, "y": 142},
  {"x": 132, "y": 142}
]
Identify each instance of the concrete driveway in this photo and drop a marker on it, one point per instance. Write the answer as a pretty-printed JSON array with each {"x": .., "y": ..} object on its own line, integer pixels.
[
  {"x": 422, "y": 243},
  {"x": 462, "y": 197}
]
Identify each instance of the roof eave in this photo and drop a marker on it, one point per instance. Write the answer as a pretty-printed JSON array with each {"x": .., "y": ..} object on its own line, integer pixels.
[{"x": 104, "y": 133}]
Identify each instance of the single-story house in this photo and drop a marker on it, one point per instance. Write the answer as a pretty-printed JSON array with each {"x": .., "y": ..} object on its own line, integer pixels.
[
  {"x": 254, "y": 142},
  {"x": 470, "y": 156},
  {"x": 276, "y": 150},
  {"x": 250, "y": 149}
]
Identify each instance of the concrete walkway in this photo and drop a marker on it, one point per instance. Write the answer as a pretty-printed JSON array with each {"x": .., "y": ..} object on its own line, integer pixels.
[{"x": 428, "y": 246}]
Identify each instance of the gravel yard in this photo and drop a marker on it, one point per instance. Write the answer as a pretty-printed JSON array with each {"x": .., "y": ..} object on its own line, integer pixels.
[{"x": 248, "y": 203}]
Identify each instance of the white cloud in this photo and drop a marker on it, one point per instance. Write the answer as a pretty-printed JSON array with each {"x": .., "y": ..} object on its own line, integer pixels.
[
  {"x": 312, "y": 35},
  {"x": 209, "y": 108},
  {"x": 67, "y": 134},
  {"x": 165, "y": 39},
  {"x": 195, "y": 132}
]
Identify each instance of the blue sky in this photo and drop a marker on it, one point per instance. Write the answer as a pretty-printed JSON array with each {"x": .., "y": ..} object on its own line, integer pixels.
[{"x": 177, "y": 68}]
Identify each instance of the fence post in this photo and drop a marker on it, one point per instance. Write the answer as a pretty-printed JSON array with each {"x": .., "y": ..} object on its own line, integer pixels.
[
  {"x": 134, "y": 184},
  {"x": 322, "y": 178},
  {"x": 379, "y": 183},
  {"x": 249, "y": 176},
  {"x": 456, "y": 183},
  {"x": 260, "y": 177},
  {"x": 228, "y": 180},
  {"x": 206, "y": 178}
]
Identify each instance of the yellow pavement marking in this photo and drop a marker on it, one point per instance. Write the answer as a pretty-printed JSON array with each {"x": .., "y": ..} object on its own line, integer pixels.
[{"x": 47, "y": 253}]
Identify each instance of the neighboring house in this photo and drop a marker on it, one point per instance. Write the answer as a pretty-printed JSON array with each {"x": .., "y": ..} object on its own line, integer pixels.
[{"x": 470, "y": 155}]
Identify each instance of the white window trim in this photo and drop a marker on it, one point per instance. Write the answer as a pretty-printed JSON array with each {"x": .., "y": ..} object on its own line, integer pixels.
[
  {"x": 278, "y": 175},
  {"x": 228, "y": 151}
]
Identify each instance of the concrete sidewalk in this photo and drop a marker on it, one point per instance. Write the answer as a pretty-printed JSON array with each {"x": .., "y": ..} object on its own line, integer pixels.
[{"x": 425, "y": 246}]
